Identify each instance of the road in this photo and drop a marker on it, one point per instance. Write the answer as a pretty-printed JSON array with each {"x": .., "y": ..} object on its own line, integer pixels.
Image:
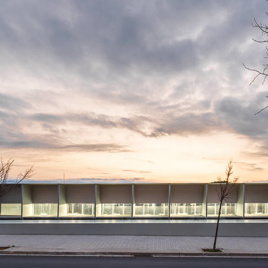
[{"x": 129, "y": 262}]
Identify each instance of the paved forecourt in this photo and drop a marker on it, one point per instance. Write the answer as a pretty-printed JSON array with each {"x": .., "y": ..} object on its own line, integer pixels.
[{"x": 130, "y": 244}]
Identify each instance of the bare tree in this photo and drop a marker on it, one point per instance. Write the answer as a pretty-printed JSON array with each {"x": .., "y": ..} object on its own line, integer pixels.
[
  {"x": 6, "y": 183},
  {"x": 224, "y": 188}
]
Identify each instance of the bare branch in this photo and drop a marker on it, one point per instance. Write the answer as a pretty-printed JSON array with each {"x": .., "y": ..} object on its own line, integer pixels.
[
  {"x": 29, "y": 172},
  {"x": 261, "y": 110},
  {"x": 264, "y": 32},
  {"x": 5, "y": 168},
  {"x": 256, "y": 71}
]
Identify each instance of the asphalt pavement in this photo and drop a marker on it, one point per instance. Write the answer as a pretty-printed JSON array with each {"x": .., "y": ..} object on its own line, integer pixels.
[{"x": 130, "y": 262}]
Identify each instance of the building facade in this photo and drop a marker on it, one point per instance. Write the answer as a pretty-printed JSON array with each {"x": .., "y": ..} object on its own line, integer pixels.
[{"x": 165, "y": 201}]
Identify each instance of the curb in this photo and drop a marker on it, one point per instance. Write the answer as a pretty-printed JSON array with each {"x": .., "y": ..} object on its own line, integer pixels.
[{"x": 132, "y": 254}]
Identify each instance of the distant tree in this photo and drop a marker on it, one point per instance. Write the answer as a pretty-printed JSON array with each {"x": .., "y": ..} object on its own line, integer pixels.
[
  {"x": 224, "y": 188},
  {"x": 6, "y": 183},
  {"x": 262, "y": 72}
]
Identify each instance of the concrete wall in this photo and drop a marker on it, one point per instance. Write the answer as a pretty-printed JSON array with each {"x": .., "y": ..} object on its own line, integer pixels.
[
  {"x": 212, "y": 196},
  {"x": 45, "y": 193},
  {"x": 151, "y": 193},
  {"x": 115, "y": 194},
  {"x": 256, "y": 193},
  {"x": 240, "y": 206},
  {"x": 97, "y": 201},
  {"x": 13, "y": 196},
  {"x": 26, "y": 200},
  {"x": 204, "y": 206},
  {"x": 191, "y": 193},
  {"x": 62, "y": 200},
  {"x": 80, "y": 194},
  {"x": 164, "y": 228}
]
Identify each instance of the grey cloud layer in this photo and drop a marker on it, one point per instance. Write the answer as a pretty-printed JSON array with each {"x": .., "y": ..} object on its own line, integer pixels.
[
  {"x": 87, "y": 37},
  {"x": 229, "y": 113},
  {"x": 182, "y": 59}
]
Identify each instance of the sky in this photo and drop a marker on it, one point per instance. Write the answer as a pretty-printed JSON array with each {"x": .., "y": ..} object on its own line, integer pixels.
[{"x": 142, "y": 91}]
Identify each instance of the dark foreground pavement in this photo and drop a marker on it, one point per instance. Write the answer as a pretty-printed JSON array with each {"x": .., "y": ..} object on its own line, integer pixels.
[{"x": 129, "y": 262}]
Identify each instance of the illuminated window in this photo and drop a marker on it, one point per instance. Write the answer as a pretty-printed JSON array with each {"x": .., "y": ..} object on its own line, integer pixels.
[
  {"x": 256, "y": 209},
  {"x": 45, "y": 210},
  {"x": 10, "y": 209},
  {"x": 186, "y": 209},
  {"x": 80, "y": 209},
  {"x": 227, "y": 209},
  {"x": 151, "y": 209},
  {"x": 116, "y": 210}
]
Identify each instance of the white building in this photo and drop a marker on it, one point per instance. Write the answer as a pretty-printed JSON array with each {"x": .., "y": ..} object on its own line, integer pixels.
[{"x": 165, "y": 201}]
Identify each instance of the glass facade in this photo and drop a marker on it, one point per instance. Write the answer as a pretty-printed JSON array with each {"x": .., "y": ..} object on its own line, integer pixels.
[
  {"x": 116, "y": 210},
  {"x": 52, "y": 201},
  {"x": 256, "y": 209},
  {"x": 151, "y": 210},
  {"x": 45, "y": 210},
  {"x": 228, "y": 209},
  {"x": 10, "y": 209},
  {"x": 186, "y": 209},
  {"x": 80, "y": 210}
]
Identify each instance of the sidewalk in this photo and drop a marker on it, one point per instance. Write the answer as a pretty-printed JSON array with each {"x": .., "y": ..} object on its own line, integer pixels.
[{"x": 131, "y": 245}]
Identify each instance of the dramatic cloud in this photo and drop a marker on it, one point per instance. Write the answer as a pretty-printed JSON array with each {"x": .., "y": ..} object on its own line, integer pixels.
[
  {"x": 113, "y": 148},
  {"x": 240, "y": 116},
  {"x": 120, "y": 84}
]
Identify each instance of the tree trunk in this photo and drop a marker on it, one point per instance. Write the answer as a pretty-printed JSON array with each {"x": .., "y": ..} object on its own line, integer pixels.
[{"x": 217, "y": 227}]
